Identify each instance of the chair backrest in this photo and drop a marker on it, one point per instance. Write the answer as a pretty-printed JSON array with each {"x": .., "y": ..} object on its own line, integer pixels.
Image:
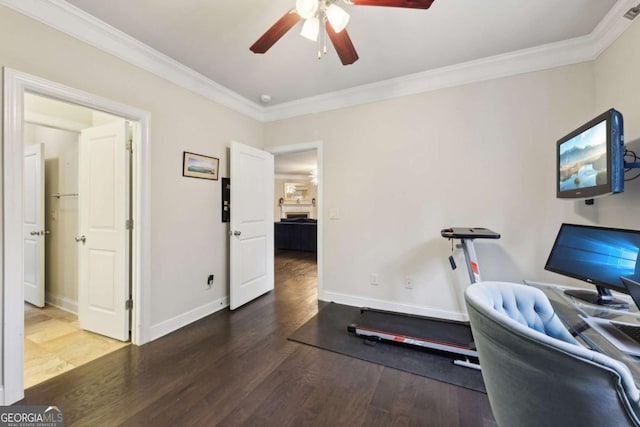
[{"x": 535, "y": 373}]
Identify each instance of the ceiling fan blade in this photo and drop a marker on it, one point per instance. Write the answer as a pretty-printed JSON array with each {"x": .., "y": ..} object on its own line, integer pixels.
[
  {"x": 276, "y": 31},
  {"x": 411, "y": 4},
  {"x": 342, "y": 43}
]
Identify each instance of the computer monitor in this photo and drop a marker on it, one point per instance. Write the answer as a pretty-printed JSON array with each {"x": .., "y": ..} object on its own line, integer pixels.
[
  {"x": 596, "y": 255},
  {"x": 590, "y": 160}
]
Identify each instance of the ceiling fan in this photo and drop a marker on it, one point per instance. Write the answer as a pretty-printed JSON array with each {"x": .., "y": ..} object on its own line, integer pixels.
[{"x": 334, "y": 19}]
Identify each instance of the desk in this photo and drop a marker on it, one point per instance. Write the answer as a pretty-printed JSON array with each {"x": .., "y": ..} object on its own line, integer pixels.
[{"x": 569, "y": 308}]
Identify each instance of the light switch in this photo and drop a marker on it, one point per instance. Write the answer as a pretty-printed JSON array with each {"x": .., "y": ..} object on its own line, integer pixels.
[{"x": 333, "y": 213}]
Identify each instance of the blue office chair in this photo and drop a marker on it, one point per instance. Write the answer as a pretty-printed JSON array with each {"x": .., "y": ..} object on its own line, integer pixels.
[{"x": 535, "y": 372}]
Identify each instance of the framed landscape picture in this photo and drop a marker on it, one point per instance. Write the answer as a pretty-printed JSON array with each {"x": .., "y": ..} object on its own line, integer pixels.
[{"x": 199, "y": 166}]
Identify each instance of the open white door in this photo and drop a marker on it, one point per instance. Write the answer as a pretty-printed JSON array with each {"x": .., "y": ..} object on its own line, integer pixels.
[
  {"x": 103, "y": 237},
  {"x": 251, "y": 224},
  {"x": 33, "y": 224}
]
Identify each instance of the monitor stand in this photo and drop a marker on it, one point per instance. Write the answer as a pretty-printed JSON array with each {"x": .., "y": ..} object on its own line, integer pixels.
[
  {"x": 633, "y": 288},
  {"x": 603, "y": 297}
]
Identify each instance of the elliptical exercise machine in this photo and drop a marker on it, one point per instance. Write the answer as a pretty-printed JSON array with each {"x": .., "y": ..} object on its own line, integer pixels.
[{"x": 427, "y": 332}]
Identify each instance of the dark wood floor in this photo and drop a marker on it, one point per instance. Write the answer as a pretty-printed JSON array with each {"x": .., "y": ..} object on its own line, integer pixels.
[{"x": 238, "y": 368}]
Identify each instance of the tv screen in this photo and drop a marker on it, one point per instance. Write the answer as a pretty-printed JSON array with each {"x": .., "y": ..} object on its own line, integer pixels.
[
  {"x": 583, "y": 159},
  {"x": 590, "y": 159},
  {"x": 596, "y": 255}
]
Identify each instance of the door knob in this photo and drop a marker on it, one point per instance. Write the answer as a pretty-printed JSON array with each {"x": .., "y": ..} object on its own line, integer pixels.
[
  {"x": 237, "y": 233},
  {"x": 35, "y": 233},
  {"x": 46, "y": 232},
  {"x": 82, "y": 239}
]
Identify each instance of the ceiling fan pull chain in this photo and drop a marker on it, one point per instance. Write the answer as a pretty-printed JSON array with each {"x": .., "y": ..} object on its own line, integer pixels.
[{"x": 324, "y": 40}]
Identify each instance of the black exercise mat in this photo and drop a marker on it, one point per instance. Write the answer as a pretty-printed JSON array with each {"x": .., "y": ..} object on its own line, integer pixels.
[{"x": 328, "y": 330}]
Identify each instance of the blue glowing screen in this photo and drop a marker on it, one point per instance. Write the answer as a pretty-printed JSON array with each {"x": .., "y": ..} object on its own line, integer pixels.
[
  {"x": 583, "y": 159},
  {"x": 595, "y": 254}
]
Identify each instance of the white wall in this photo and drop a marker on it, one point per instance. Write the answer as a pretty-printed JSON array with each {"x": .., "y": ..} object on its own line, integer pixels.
[
  {"x": 188, "y": 239},
  {"x": 47, "y": 111},
  {"x": 477, "y": 155},
  {"x": 616, "y": 73},
  {"x": 399, "y": 171}
]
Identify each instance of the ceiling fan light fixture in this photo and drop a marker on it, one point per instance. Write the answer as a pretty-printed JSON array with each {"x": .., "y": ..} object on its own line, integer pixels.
[
  {"x": 324, "y": 20},
  {"x": 310, "y": 29},
  {"x": 307, "y": 8},
  {"x": 338, "y": 17}
]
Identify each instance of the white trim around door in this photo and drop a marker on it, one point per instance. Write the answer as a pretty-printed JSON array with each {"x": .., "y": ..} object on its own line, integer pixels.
[{"x": 16, "y": 83}]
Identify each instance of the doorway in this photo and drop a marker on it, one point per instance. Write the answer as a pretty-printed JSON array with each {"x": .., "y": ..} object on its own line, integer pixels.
[
  {"x": 16, "y": 84},
  {"x": 59, "y": 333},
  {"x": 301, "y": 163}
]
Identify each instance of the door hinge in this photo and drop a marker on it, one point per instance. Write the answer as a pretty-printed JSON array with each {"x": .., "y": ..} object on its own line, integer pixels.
[
  {"x": 128, "y": 305},
  {"x": 129, "y": 224},
  {"x": 129, "y": 146}
]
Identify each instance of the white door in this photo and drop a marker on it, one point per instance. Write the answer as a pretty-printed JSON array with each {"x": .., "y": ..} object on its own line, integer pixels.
[
  {"x": 251, "y": 225},
  {"x": 33, "y": 224},
  {"x": 103, "y": 238}
]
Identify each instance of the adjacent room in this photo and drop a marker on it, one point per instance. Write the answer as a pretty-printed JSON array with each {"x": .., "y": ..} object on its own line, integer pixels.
[
  {"x": 58, "y": 333},
  {"x": 326, "y": 212}
]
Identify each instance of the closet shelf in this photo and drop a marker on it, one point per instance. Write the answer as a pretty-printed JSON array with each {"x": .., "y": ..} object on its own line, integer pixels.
[{"x": 58, "y": 195}]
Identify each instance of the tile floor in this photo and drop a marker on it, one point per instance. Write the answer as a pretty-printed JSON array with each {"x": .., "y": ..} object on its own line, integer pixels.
[{"x": 54, "y": 343}]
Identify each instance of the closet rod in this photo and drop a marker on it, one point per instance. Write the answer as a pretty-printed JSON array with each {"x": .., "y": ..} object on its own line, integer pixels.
[{"x": 58, "y": 195}]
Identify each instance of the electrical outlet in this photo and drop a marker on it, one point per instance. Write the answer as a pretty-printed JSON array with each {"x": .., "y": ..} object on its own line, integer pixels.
[
  {"x": 408, "y": 282},
  {"x": 374, "y": 279},
  {"x": 210, "y": 281}
]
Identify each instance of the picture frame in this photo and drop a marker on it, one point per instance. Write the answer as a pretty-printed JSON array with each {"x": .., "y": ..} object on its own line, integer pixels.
[
  {"x": 296, "y": 191},
  {"x": 200, "y": 166}
]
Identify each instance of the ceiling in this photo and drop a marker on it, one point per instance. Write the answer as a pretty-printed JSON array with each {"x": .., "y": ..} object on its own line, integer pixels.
[
  {"x": 300, "y": 163},
  {"x": 213, "y": 37}
]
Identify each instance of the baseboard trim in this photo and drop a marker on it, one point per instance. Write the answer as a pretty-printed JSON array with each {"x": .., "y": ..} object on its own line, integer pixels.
[
  {"x": 357, "y": 301},
  {"x": 63, "y": 303},
  {"x": 170, "y": 325}
]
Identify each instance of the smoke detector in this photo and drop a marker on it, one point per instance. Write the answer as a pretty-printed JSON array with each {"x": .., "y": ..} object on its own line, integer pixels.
[{"x": 265, "y": 99}]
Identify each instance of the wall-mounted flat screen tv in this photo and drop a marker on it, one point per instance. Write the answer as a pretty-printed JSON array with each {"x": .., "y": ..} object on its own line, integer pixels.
[{"x": 590, "y": 160}]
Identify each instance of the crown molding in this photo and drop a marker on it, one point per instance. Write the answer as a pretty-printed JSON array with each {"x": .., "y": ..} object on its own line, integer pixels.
[
  {"x": 75, "y": 22},
  {"x": 567, "y": 52},
  {"x": 524, "y": 61},
  {"x": 612, "y": 26},
  {"x": 79, "y": 24}
]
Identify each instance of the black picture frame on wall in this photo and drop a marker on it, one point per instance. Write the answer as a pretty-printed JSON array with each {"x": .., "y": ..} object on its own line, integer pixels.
[{"x": 200, "y": 166}]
